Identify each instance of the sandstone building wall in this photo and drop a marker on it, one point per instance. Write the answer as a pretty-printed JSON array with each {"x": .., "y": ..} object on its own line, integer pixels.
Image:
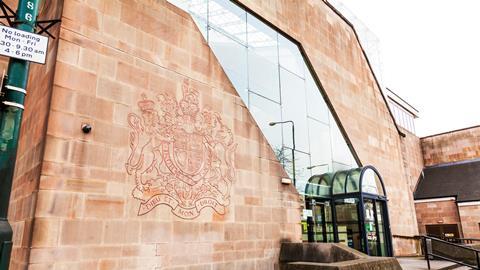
[
  {"x": 31, "y": 142},
  {"x": 437, "y": 212},
  {"x": 451, "y": 146},
  {"x": 120, "y": 63},
  {"x": 470, "y": 217},
  {"x": 412, "y": 158}
]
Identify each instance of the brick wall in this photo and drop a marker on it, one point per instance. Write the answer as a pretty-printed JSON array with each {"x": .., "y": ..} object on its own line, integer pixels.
[
  {"x": 31, "y": 142},
  {"x": 470, "y": 217},
  {"x": 95, "y": 206},
  {"x": 451, "y": 146},
  {"x": 434, "y": 213}
]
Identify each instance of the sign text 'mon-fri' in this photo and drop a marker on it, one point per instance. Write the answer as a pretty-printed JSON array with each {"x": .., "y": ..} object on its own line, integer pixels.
[{"x": 23, "y": 45}]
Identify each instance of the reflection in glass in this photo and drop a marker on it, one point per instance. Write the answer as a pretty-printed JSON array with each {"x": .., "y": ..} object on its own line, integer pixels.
[
  {"x": 340, "y": 151},
  {"x": 323, "y": 223},
  {"x": 258, "y": 59},
  {"x": 302, "y": 161},
  {"x": 263, "y": 111},
  {"x": 293, "y": 108},
  {"x": 370, "y": 228},
  {"x": 316, "y": 106},
  {"x": 233, "y": 58},
  {"x": 338, "y": 185},
  {"x": 353, "y": 181},
  {"x": 320, "y": 148},
  {"x": 290, "y": 56},
  {"x": 381, "y": 229},
  {"x": 229, "y": 19},
  {"x": 262, "y": 39},
  {"x": 347, "y": 223},
  {"x": 371, "y": 183},
  {"x": 263, "y": 76}
]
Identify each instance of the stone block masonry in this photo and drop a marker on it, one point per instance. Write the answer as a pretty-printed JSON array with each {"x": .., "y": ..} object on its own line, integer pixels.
[
  {"x": 175, "y": 173},
  {"x": 458, "y": 145},
  {"x": 162, "y": 181}
]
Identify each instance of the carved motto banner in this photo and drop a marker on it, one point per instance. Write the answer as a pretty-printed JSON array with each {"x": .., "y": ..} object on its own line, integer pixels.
[{"x": 181, "y": 155}]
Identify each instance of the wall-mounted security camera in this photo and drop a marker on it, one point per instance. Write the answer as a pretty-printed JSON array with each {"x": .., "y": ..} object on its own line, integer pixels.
[{"x": 86, "y": 128}]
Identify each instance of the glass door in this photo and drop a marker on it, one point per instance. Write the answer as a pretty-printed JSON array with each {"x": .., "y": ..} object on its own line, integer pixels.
[
  {"x": 375, "y": 227},
  {"x": 323, "y": 223},
  {"x": 382, "y": 235},
  {"x": 348, "y": 229}
]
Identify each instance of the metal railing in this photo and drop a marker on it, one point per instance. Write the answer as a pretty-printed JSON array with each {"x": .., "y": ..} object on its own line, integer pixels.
[
  {"x": 462, "y": 241},
  {"x": 463, "y": 255}
]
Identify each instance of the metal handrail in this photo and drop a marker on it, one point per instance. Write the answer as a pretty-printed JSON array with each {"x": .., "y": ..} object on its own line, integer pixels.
[
  {"x": 456, "y": 240},
  {"x": 428, "y": 254}
]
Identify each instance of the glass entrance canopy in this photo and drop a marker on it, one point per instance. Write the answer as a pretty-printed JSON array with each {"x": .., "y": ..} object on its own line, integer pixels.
[{"x": 349, "y": 207}]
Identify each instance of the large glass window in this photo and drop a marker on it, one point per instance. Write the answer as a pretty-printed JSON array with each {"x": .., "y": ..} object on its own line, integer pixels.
[
  {"x": 293, "y": 108},
  {"x": 264, "y": 110},
  {"x": 233, "y": 58},
  {"x": 271, "y": 76}
]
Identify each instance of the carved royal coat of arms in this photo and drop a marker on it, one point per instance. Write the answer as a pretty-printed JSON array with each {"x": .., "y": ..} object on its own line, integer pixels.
[{"x": 181, "y": 156}]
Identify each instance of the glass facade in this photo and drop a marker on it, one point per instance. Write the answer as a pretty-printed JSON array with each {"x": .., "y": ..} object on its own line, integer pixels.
[
  {"x": 402, "y": 117},
  {"x": 270, "y": 74}
]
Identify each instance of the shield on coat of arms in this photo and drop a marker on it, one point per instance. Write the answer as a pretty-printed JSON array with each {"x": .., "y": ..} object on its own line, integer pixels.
[{"x": 188, "y": 153}]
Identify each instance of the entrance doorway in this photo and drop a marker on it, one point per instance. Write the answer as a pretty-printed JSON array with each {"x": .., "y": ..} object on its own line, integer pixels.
[
  {"x": 349, "y": 207},
  {"x": 443, "y": 230},
  {"x": 375, "y": 227}
]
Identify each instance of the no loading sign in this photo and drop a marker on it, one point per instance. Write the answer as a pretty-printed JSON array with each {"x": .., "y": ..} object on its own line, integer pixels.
[{"x": 23, "y": 45}]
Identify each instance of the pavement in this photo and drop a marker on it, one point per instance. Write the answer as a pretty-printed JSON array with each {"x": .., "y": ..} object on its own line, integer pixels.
[{"x": 419, "y": 263}]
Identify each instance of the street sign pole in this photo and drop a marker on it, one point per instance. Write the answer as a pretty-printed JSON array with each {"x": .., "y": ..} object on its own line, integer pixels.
[{"x": 11, "y": 111}]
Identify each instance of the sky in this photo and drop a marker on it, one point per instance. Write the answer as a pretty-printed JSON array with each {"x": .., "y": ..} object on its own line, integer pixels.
[{"x": 430, "y": 54}]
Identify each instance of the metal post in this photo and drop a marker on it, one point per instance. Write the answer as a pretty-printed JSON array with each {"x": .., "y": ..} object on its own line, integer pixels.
[
  {"x": 11, "y": 111},
  {"x": 478, "y": 260},
  {"x": 293, "y": 146},
  {"x": 310, "y": 223},
  {"x": 425, "y": 249},
  {"x": 293, "y": 153}
]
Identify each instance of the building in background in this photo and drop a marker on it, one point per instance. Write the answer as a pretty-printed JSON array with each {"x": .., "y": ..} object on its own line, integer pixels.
[{"x": 447, "y": 197}]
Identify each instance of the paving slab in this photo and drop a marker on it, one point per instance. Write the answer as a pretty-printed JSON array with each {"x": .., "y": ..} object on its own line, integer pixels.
[{"x": 419, "y": 263}]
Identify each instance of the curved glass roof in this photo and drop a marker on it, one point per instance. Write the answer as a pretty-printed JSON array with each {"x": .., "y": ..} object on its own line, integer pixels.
[
  {"x": 364, "y": 179},
  {"x": 319, "y": 186}
]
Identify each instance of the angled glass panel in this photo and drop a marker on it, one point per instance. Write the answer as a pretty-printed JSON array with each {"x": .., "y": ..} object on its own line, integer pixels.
[
  {"x": 229, "y": 19},
  {"x": 316, "y": 106},
  {"x": 320, "y": 147},
  {"x": 340, "y": 151},
  {"x": 290, "y": 56},
  {"x": 302, "y": 173},
  {"x": 263, "y": 77},
  {"x": 264, "y": 111},
  {"x": 293, "y": 108},
  {"x": 262, "y": 39},
  {"x": 233, "y": 58},
  {"x": 271, "y": 76}
]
